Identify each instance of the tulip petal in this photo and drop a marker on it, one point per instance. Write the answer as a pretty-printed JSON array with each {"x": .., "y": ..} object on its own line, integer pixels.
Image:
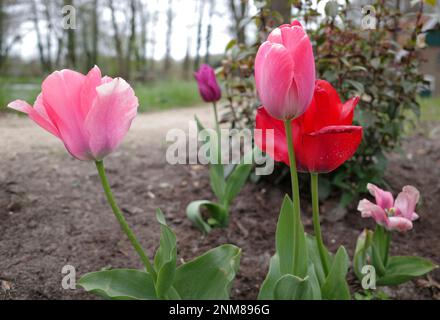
[
  {"x": 347, "y": 113},
  {"x": 88, "y": 90},
  {"x": 299, "y": 46},
  {"x": 275, "y": 81},
  {"x": 400, "y": 224},
  {"x": 278, "y": 150},
  {"x": 37, "y": 114},
  {"x": 384, "y": 199},
  {"x": 406, "y": 202},
  {"x": 371, "y": 210},
  {"x": 326, "y": 104},
  {"x": 325, "y": 150},
  {"x": 61, "y": 98},
  {"x": 110, "y": 117}
]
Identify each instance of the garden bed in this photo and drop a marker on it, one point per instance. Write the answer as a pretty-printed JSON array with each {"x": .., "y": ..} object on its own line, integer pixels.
[{"x": 53, "y": 212}]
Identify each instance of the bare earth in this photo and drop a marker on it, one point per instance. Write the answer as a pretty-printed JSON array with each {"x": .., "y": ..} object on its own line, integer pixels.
[{"x": 53, "y": 212}]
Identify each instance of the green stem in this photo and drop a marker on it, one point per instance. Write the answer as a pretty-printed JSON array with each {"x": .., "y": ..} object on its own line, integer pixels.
[
  {"x": 317, "y": 224},
  {"x": 217, "y": 129},
  {"x": 295, "y": 188},
  {"x": 387, "y": 246},
  {"x": 120, "y": 217}
]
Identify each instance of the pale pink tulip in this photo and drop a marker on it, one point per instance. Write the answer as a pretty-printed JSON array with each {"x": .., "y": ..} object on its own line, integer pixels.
[
  {"x": 393, "y": 215},
  {"x": 91, "y": 114},
  {"x": 285, "y": 72}
]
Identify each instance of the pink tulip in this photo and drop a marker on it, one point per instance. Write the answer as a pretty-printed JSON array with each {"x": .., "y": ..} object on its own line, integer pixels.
[
  {"x": 207, "y": 82},
  {"x": 285, "y": 72},
  {"x": 393, "y": 215},
  {"x": 89, "y": 113}
]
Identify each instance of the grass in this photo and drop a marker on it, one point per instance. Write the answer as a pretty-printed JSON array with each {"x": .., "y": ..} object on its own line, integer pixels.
[
  {"x": 160, "y": 95},
  {"x": 430, "y": 109}
]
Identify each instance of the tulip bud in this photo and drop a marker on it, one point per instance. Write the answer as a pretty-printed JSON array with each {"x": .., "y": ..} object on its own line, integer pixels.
[
  {"x": 207, "y": 82},
  {"x": 285, "y": 72}
]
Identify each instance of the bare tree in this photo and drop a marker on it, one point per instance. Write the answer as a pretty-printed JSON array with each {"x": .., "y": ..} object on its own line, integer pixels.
[
  {"x": 117, "y": 38},
  {"x": 239, "y": 9},
  {"x": 131, "y": 46},
  {"x": 153, "y": 40},
  {"x": 209, "y": 30},
  {"x": 167, "y": 62},
  {"x": 141, "y": 52},
  {"x": 9, "y": 35},
  {"x": 95, "y": 32},
  {"x": 71, "y": 42},
  {"x": 40, "y": 44},
  {"x": 199, "y": 34}
]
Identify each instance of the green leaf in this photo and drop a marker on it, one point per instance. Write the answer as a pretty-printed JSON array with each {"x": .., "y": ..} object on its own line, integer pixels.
[
  {"x": 290, "y": 287},
  {"x": 236, "y": 181},
  {"x": 200, "y": 126},
  {"x": 165, "y": 258},
  {"x": 217, "y": 179},
  {"x": 431, "y": 2},
  {"x": 291, "y": 248},
  {"x": 401, "y": 269},
  {"x": 335, "y": 286},
  {"x": 315, "y": 259},
  {"x": 210, "y": 275},
  {"x": 120, "y": 284},
  {"x": 268, "y": 286},
  {"x": 218, "y": 213},
  {"x": 361, "y": 252}
]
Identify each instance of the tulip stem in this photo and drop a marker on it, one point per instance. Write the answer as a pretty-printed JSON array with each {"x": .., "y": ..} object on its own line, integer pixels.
[
  {"x": 217, "y": 129},
  {"x": 120, "y": 217},
  {"x": 317, "y": 224},
  {"x": 295, "y": 189}
]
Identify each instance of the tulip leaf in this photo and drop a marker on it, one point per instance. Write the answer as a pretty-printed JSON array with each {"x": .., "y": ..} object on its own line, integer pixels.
[
  {"x": 236, "y": 181},
  {"x": 361, "y": 252},
  {"x": 210, "y": 275},
  {"x": 401, "y": 269},
  {"x": 217, "y": 179},
  {"x": 268, "y": 286},
  {"x": 315, "y": 258},
  {"x": 291, "y": 246},
  {"x": 290, "y": 287},
  {"x": 120, "y": 284},
  {"x": 165, "y": 258},
  {"x": 218, "y": 214},
  {"x": 335, "y": 286},
  {"x": 200, "y": 126}
]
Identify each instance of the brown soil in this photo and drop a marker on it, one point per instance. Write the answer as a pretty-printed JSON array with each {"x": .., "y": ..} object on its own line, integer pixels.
[{"x": 53, "y": 212}]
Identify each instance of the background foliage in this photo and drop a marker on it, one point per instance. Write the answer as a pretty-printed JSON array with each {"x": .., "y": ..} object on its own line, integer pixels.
[{"x": 380, "y": 65}]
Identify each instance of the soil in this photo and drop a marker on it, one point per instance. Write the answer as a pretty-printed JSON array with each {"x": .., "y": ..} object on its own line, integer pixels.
[{"x": 53, "y": 211}]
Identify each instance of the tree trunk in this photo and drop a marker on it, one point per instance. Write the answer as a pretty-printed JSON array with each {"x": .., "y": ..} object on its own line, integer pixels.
[
  {"x": 167, "y": 62},
  {"x": 199, "y": 34},
  {"x": 209, "y": 30},
  {"x": 71, "y": 42},
  {"x": 131, "y": 47},
  {"x": 239, "y": 13},
  {"x": 95, "y": 32},
  {"x": 117, "y": 40}
]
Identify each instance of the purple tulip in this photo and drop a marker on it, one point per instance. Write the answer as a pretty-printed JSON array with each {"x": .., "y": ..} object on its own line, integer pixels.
[{"x": 208, "y": 86}]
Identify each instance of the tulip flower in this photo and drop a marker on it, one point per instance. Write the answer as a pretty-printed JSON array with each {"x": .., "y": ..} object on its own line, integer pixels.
[
  {"x": 207, "y": 82},
  {"x": 324, "y": 137},
  {"x": 285, "y": 72},
  {"x": 390, "y": 214},
  {"x": 89, "y": 113}
]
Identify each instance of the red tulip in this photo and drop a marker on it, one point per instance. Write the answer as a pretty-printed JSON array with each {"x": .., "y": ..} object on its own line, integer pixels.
[
  {"x": 323, "y": 137},
  {"x": 285, "y": 72}
]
